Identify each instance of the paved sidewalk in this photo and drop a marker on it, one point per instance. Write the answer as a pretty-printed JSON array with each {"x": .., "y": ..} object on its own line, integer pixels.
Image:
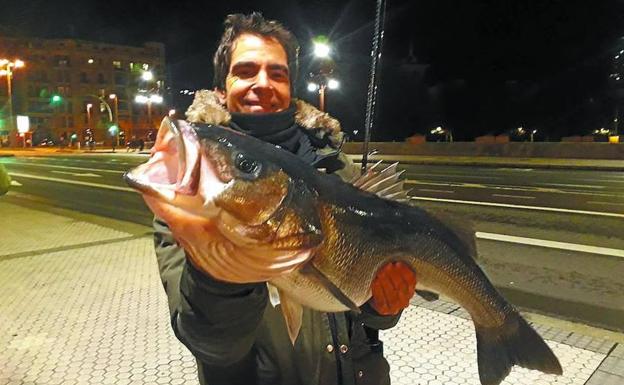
[{"x": 81, "y": 303}]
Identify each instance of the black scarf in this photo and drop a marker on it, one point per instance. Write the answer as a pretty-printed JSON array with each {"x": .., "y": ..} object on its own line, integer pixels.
[{"x": 276, "y": 127}]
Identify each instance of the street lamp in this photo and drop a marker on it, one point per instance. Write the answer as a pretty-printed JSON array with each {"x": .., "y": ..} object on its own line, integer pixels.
[
  {"x": 115, "y": 99},
  {"x": 321, "y": 49},
  {"x": 148, "y": 99},
  {"x": 147, "y": 76},
  {"x": 6, "y": 69},
  {"x": 320, "y": 80}
]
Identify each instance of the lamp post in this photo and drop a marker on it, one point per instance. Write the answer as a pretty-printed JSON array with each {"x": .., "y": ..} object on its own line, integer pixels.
[
  {"x": 115, "y": 99},
  {"x": 148, "y": 100},
  {"x": 6, "y": 68},
  {"x": 321, "y": 80}
]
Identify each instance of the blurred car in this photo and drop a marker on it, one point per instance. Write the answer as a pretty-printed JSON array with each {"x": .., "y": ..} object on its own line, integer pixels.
[{"x": 46, "y": 143}]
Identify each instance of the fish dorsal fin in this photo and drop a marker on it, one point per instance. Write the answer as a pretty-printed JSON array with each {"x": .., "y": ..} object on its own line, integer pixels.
[
  {"x": 293, "y": 315},
  {"x": 461, "y": 227},
  {"x": 383, "y": 182}
]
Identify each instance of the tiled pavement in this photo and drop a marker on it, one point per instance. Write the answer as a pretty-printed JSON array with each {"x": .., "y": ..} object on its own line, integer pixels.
[{"x": 81, "y": 303}]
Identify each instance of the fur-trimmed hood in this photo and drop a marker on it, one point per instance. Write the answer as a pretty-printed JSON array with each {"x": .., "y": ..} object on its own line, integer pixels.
[{"x": 206, "y": 108}]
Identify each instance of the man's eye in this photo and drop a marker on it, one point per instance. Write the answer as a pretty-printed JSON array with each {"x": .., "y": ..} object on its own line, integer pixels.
[{"x": 280, "y": 75}]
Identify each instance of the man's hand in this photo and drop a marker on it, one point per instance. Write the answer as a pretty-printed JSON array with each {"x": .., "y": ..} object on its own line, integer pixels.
[{"x": 392, "y": 288}]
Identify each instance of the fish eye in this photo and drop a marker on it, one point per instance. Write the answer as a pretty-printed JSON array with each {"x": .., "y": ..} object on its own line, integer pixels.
[{"x": 247, "y": 165}]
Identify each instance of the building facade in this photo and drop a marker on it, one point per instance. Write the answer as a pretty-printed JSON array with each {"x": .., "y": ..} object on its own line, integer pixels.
[{"x": 71, "y": 88}]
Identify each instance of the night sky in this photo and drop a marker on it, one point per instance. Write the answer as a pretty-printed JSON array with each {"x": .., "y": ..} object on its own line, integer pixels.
[{"x": 476, "y": 67}]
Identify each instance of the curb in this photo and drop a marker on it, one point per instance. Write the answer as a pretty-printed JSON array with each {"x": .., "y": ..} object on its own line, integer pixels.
[{"x": 594, "y": 315}]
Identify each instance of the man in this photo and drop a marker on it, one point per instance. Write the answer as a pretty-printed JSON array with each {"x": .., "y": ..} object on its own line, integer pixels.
[{"x": 237, "y": 336}]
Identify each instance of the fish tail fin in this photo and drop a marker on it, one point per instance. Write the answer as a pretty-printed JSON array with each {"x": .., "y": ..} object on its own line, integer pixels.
[{"x": 514, "y": 343}]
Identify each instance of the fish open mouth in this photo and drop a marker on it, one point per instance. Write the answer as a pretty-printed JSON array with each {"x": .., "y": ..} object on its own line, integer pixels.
[{"x": 173, "y": 166}]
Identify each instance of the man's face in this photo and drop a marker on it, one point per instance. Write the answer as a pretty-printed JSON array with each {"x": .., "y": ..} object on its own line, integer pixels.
[{"x": 258, "y": 80}]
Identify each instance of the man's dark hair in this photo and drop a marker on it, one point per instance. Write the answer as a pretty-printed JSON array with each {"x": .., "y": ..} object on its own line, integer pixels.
[{"x": 255, "y": 24}]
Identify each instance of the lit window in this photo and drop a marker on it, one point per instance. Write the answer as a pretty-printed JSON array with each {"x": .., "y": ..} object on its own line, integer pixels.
[{"x": 116, "y": 64}]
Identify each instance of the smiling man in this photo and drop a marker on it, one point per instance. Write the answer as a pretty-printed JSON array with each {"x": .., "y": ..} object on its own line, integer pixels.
[{"x": 237, "y": 335}]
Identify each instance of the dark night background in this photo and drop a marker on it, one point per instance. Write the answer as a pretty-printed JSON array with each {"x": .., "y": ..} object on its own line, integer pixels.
[{"x": 476, "y": 67}]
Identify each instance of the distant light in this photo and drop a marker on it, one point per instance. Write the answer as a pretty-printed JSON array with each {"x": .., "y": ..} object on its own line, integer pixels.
[
  {"x": 90, "y": 61},
  {"x": 437, "y": 130},
  {"x": 156, "y": 99},
  {"x": 321, "y": 49},
  {"x": 112, "y": 96},
  {"x": 113, "y": 129},
  {"x": 18, "y": 63},
  {"x": 56, "y": 99},
  {"x": 23, "y": 124},
  {"x": 89, "y": 105},
  {"x": 312, "y": 87},
  {"x": 140, "y": 99},
  {"x": 333, "y": 84},
  {"x": 3, "y": 72},
  {"x": 172, "y": 112},
  {"x": 147, "y": 76},
  {"x": 355, "y": 132},
  {"x": 3, "y": 62}
]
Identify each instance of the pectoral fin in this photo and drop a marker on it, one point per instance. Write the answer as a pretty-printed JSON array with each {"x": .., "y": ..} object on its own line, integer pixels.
[
  {"x": 311, "y": 270},
  {"x": 293, "y": 315}
]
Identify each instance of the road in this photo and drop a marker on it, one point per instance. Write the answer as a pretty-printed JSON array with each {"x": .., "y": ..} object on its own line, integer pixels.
[{"x": 551, "y": 240}]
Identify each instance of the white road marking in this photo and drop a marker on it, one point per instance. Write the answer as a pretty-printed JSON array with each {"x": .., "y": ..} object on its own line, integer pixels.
[
  {"x": 87, "y": 174},
  {"x": 513, "y": 196},
  {"x": 570, "y": 185},
  {"x": 605, "y": 203},
  {"x": 76, "y": 182},
  {"x": 71, "y": 167},
  {"x": 440, "y": 191},
  {"x": 508, "y": 188},
  {"x": 551, "y": 244},
  {"x": 478, "y": 203},
  {"x": 15, "y": 183}
]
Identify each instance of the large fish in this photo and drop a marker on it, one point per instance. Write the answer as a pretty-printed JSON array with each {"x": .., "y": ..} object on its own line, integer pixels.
[{"x": 246, "y": 211}]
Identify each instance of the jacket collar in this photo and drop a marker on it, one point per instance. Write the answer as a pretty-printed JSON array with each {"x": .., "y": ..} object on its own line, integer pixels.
[{"x": 206, "y": 108}]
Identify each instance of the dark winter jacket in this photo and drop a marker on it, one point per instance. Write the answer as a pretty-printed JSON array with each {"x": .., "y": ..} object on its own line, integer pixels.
[{"x": 237, "y": 336}]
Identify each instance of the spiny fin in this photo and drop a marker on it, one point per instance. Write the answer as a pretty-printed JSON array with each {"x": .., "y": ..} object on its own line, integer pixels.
[
  {"x": 293, "y": 315},
  {"x": 514, "y": 343},
  {"x": 461, "y": 227},
  {"x": 311, "y": 270},
  {"x": 383, "y": 182},
  {"x": 428, "y": 296}
]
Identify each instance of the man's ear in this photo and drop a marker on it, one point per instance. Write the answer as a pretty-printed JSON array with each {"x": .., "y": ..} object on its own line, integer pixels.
[{"x": 220, "y": 95}]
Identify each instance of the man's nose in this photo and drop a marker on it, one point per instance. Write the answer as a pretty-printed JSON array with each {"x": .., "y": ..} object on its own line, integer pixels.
[{"x": 263, "y": 80}]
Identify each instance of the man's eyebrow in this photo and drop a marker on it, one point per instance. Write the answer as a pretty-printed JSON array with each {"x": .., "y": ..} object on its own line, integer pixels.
[
  {"x": 278, "y": 67},
  {"x": 244, "y": 64}
]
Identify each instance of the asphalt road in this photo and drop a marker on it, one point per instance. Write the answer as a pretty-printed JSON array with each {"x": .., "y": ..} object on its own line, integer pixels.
[{"x": 551, "y": 240}]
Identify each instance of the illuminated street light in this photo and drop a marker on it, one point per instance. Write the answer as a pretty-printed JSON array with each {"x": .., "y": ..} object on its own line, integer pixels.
[
  {"x": 312, "y": 87},
  {"x": 155, "y": 98},
  {"x": 6, "y": 69},
  {"x": 145, "y": 99},
  {"x": 141, "y": 99},
  {"x": 147, "y": 76},
  {"x": 321, "y": 49},
  {"x": 333, "y": 84}
]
